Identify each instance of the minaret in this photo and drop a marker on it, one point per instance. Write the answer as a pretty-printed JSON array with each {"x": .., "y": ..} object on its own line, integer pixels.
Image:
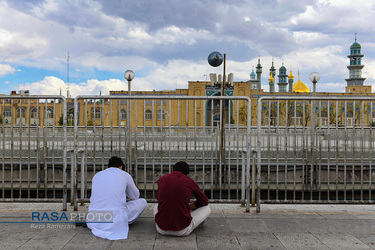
[
  {"x": 272, "y": 69},
  {"x": 259, "y": 73},
  {"x": 355, "y": 67},
  {"x": 253, "y": 81},
  {"x": 290, "y": 80},
  {"x": 282, "y": 78},
  {"x": 272, "y": 84},
  {"x": 67, "y": 83},
  {"x": 252, "y": 74}
]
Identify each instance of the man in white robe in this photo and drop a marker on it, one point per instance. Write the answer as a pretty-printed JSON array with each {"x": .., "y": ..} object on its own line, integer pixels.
[{"x": 109, "y": 190}]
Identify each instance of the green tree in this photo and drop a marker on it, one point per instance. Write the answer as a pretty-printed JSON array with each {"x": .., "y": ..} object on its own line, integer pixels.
[
  {"x": 243, "y": 114},
  {"x": 61, "y": 120}
]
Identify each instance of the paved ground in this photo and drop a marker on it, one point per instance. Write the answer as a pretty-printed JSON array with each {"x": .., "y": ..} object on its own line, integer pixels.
[{"x": 228, "y": 227}]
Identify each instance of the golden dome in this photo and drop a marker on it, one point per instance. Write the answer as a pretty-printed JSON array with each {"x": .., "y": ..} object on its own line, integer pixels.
[
  {"x": 271, "y": 79},
  {"x": 300, "y": 87}
]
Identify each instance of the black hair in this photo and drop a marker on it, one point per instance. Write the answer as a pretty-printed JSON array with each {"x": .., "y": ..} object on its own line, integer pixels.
[
  {"x": 115, "y": 162},
  {"x": 182, "y": 167}
]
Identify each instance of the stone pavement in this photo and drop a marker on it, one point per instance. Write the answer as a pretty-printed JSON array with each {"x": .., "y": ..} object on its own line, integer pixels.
[{"x": 228, "y": 227}]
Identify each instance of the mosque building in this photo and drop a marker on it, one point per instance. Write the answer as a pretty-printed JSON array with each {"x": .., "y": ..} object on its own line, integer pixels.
[
  {"x": 285, "y": 84},
  {"x": 251, "y": 88}
]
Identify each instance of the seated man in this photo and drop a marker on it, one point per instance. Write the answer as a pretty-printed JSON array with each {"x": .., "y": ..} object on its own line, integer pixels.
[
  {"x": 173, "y": 214},
  {"x": 109, "y": 190}
]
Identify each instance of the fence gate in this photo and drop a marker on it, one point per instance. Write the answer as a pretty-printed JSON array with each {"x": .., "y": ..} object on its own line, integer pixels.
[
  {"x": 33, "y": 148},
  {"x": 315, "y": 149},
  {"x": 152, "y": 133}
]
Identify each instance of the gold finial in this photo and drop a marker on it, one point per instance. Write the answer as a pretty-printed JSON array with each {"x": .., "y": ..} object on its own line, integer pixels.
[
  {"x": 271, "y": 79},
  {"x": 291, "y": 75}
]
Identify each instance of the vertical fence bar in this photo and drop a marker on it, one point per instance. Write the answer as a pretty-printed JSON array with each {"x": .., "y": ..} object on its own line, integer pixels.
[
  {"x": 295, "y": 149},
  {"x": 329, "y": 151},
  {"x": 144, "y": 149},
  {"x": 370, "y": 153},
  {"x": 65, "y": 155},
  {"x": 253, "y": 173},
  {"x": 11, "y": 152},
  {"x": 169, "y": 137},
  {"x": 243, "y": 176},
  {"x": 21, "y": 109},
  {"x": 337, "y": 151},
  {"x": 3, "y": 150},
  {"x": 268, "y": 149},
  {"x": 346, "y": 148},
  {"x": 83, "y": 175},
  {"x": 277, "y": 146},
  {"x": 29, "y": 153},
  {"x": 259, "y": 154},
  {"x": 153, "y": 149}
]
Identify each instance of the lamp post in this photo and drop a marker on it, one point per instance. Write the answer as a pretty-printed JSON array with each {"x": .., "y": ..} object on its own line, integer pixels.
[
  {"x": 129, "y": 76},
  {"x": 314, "y": 78},
  {"x": 215, "y": 59}
]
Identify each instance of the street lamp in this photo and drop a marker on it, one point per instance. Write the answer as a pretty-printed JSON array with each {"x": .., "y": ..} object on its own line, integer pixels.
[
  {"x": 314, "y": 78},
  {"x": 215, "y": 59},
  {"x": 129, "y": 76}
]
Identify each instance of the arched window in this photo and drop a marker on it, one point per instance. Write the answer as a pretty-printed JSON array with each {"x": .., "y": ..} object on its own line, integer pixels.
[
  {"x": 34, "y": 113},
  {"x": 49, "y": 113},
  {"x": 323, "y": 118},
  {"x": 95, "y": 114},
  {"x": 7, "y": 116},
  {"x": 123, "y": 114},
  {"x": 70, "y": 113},
  {"x": 22, "y": 111},
  {"x": 21, "y": 116},
  {"x": 270, "y": 118},
  {"x": 349, "y": 118},
  {"x": 7, "y": 112},
  {"x": 161, "y": 115},
  {"x": 148, "y": 114}
]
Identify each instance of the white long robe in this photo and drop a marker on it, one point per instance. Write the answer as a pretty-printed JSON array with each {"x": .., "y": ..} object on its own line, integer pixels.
[{"x": 109, "y": 190}]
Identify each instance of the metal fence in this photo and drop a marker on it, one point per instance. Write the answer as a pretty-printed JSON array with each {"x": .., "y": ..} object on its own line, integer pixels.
[
  {"x": 33, "y": 148},
  {"x": 161, "y": 131},
  {"x": 315, "y": 149},
  {"x": 305, "y": 149}
]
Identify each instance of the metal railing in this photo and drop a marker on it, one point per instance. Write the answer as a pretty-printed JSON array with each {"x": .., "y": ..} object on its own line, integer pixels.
[
  {"x": 162, "y": 131},
  {"x": 315, "y": 149},
  {"x": 33, "y": 149},
  {"x": 308, "y": 149}
]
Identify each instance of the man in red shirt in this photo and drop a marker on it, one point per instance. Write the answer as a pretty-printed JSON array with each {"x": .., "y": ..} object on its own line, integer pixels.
[{"x": 174, "y": 215}]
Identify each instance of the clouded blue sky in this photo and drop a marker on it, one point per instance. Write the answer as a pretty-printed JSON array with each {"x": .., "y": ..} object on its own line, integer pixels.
[{"x": 166, "y": 42}]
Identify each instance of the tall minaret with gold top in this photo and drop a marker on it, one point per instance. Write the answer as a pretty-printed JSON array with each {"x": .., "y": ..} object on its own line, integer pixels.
[
  {"x": 290, "y": 80},
  {"x": 271, "y": 82}
]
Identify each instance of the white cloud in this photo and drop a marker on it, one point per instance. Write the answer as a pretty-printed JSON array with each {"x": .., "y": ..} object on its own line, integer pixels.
[
  {"x": 51, "y": 85},
  {"x": 6, "y": 69}
]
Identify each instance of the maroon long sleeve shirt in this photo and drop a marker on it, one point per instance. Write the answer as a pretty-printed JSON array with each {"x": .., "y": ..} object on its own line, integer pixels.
[{"x": 174, "y": 193}]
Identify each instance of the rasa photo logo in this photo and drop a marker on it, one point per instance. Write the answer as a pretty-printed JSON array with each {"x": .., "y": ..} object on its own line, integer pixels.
[{"x": 43, "y": 220}]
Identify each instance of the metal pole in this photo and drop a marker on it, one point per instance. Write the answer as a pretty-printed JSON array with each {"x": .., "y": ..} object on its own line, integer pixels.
[
  {"x": 129, "y": 125},
  {"x": 222, "y": 157},
  {"x": 254, "y": 165},
  {"x": 312, "y": 139},
  {"x": 83, "y": 170}
]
